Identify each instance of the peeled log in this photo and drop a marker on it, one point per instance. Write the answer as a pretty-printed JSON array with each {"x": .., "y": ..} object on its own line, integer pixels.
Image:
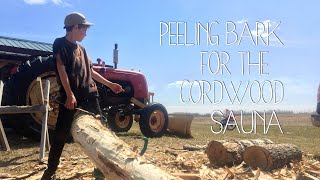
[
  {"x": 271, "y": 156},
  {"x": 229, "y": 152},
  {"x": 110, "y": 154}
]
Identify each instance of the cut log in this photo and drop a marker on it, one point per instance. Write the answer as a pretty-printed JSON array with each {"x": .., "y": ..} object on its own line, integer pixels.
[
  {"x": 271, "y": 156},
  {"x": 229, "y": 152},
  {"x": 110, "y": 154}
]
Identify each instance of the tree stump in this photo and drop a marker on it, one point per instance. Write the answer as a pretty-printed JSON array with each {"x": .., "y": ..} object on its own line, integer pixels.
[
  {"x": 271, "y": 156},
  {"x": 110, "y": 154},
  {"x": 229, "y": 152}
]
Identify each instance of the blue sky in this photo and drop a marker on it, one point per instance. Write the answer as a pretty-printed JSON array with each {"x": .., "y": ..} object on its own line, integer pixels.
[{"x": 135, "y": 26}]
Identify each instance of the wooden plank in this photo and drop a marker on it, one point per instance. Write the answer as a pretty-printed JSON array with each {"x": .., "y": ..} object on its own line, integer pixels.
[
  {"x": 42, "y": 94},
  {"x": 22, "y": 109},
  {"x": 137, "y": 102},
  {"x": 1, "y": 91},
  {"x": 3, "y": 137},
  {"x": 41, "y": 89},
  {"x": 47, "y": 141},
  {"x": 44, "y": 130}
]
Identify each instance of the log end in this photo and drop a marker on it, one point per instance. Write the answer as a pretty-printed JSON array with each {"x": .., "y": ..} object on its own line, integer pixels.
[
  {"x": 271, "y": 156},
  {"x": 256, "y": 156},
  {"x": 217, "y": 153}
]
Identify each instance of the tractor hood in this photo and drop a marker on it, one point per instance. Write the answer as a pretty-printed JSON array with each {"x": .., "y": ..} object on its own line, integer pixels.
[{"x": 136, "y": 79}]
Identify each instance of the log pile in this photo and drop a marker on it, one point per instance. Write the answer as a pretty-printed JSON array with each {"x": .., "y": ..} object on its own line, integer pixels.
[
  {"x": 194, "y": 163},
  {"x": 230, "y": 152},
  {"x": 257, "y": 153}
]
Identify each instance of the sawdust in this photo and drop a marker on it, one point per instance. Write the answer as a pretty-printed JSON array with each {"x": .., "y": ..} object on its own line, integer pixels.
[
  {"x": 22, "y": 163},
  {"x": 167, "y": 152}
]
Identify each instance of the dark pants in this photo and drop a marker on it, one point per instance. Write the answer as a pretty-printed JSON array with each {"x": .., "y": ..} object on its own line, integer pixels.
[
  {"x": 318, "y": 108},
  {"x": 63, "y": 127}
]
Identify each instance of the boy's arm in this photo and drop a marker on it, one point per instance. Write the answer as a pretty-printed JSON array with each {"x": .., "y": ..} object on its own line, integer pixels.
[
  {"x": 71, "y": 101},
  {"x": 113, "y": 86}
]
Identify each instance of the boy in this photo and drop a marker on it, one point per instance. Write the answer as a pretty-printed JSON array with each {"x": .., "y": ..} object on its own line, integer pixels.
[{"x": 75, "y": 76}]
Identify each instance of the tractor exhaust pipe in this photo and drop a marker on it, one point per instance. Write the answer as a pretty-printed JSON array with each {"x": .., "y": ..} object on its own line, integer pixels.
[{"x": 115, "y": 55}]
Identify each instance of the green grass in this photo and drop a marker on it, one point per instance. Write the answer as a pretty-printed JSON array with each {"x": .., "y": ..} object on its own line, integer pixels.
[{"x": 297, "y": 132}]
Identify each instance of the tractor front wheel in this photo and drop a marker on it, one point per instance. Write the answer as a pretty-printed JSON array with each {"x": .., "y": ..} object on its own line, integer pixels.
[
  {"x": 154, "y": 120},
  {"x": 117, "y": 123}
]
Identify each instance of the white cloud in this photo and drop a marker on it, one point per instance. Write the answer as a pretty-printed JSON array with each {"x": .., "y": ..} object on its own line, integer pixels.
[
  {"x": 57, "y": 2},
  {"x": 262, "y": 28},
  {"x": 60, "y": 2},
  {"x": 32, "y": 2},
  {"x": 262, "y": 31},
  {"x": 242, "y": 21},
  {"x": 42, "y": 2},
  {"x": 179, "y": 83}
]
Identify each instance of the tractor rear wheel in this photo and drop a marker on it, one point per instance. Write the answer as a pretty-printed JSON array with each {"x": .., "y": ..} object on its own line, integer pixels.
[
  {"x": 23, "y": 89},
  {"x": 153, "y": 120},
  {"x": 33, "y": 98}
]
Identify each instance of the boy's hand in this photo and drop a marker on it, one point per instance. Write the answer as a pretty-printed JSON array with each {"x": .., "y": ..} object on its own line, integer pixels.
[
  {"x": 117, "y": 88},
  {"x": 71, "y": 102}
]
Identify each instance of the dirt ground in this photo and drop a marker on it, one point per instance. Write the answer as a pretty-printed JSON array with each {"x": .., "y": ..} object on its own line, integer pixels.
[{"x": 168, "y": 153}]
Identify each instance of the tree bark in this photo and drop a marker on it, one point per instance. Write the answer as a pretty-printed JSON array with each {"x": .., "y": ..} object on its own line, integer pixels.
[
  {"x": 271, "y": 156},
  {"x": 229, "y": 152},
  {"x": 110, "y": 154}
]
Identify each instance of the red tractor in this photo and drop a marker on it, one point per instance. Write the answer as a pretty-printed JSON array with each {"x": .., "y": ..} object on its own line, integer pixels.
[{"x": 22, "y": 61}]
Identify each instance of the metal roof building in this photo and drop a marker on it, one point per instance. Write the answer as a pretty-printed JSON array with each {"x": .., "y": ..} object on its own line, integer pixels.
[{"x": 22, "y": 47}]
